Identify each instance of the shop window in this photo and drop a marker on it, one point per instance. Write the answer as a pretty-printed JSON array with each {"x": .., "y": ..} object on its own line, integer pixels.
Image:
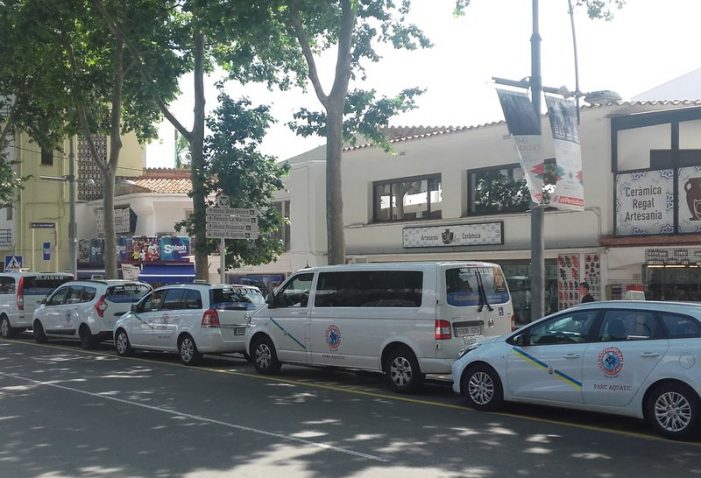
[
  {"x": 407, "y": 199},
  {"x": 501, "y": 189},
  {"x": 47, "y": 157}
]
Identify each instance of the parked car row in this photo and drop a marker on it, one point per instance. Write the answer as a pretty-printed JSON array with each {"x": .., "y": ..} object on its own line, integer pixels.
[{"x": 632, "y": 358}]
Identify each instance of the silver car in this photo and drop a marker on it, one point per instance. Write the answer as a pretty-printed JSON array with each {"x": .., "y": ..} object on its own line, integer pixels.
[{"x": 632, "y": 358}]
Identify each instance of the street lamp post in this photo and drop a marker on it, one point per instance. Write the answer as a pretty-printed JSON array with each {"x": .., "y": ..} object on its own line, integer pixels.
[{"x": 537, "y": 271}]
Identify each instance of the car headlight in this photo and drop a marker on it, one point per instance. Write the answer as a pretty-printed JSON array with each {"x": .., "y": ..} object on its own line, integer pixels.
[
  {"x": 247, "y": 317},
  {"x": 467, "y": 349}
]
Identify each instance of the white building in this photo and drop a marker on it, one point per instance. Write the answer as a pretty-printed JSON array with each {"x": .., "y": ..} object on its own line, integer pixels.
[{"x": 650, "y": 148}]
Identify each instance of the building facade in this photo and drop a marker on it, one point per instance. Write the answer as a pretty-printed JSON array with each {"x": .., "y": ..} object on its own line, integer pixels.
[{"x": 428, "y": 200}]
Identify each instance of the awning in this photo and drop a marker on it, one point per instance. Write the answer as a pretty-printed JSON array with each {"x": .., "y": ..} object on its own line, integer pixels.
[{"x": 167, "y": 274}]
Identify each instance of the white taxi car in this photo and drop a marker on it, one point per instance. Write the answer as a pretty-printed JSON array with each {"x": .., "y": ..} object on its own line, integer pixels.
[
  {"x": 633, "y": 358},
  {"x": 86, "y": 310},
  {"x": 190, "y": 319}
]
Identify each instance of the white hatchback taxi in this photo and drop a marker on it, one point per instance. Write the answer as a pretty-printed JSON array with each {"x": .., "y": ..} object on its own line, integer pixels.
[
  {"x": 633, "y": 358},
  {"x": 86, "y": 310},
  {"x": 190, "y": 319}
]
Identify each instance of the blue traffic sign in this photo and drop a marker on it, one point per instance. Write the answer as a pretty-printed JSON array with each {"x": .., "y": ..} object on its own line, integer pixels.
[{"x": 13, "y": 263}]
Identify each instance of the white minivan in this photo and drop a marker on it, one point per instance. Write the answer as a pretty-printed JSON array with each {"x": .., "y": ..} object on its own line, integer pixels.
[
  {"x": 21, "y": 293},
  {"x": 403, "y": 319}
]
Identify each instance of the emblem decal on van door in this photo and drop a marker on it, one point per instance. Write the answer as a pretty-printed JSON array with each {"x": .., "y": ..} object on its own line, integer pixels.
[
  {"x": 611, "y": 361},
  {"x": 333, "y": 337}
]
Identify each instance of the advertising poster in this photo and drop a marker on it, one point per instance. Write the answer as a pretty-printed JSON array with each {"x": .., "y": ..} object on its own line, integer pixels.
[
  {"x": 97, "y": 247},
  {"x": 84, "y": 251},
  {"x": 689, "y": 199},
  {"x": 569, "y": 189},
  {"x": 524, "y": 127},
  {"x": 145, "y": 249},
  {"x": 591, "y": 273},
  {"x": 174, "y": 248},
  {"x": 645, "y": 203}
]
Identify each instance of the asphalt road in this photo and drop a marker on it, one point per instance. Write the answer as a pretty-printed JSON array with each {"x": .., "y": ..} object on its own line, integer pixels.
[{"x": 65, "y": 412}]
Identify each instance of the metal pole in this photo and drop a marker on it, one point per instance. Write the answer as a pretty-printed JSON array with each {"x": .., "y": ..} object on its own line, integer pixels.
[
  {"x": 576, "y": 61},
  {"x": 537, "y": 215},
  {"x": 72, "y": 228},
  {"x": 222, "y": 260}
]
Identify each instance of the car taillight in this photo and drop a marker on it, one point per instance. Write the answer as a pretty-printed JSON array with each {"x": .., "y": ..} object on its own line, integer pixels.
[
  {"x": 443, "y": 330},
  {"x": 20, "y": 293},
  {"x": 101, "y": 306},
  {"x": 210, "y": 318},
  {"x": 514, "y": 326}
]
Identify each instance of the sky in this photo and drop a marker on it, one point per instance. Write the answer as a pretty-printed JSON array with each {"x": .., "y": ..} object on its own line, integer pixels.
[{"x": 648, "y": 42}]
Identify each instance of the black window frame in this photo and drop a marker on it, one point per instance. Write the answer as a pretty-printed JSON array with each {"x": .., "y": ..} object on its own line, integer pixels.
[
  {"x": 47, "y": 157},
  {"x": 511, "y": 168},
  {"x": 435, "y": 179},
  {"x": 369, "y": 288}
]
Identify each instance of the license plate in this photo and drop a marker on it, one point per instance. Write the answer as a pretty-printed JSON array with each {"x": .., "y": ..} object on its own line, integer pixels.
[
  {"x": 469, "y": 330},
  {"x": 240, "y": 331}
]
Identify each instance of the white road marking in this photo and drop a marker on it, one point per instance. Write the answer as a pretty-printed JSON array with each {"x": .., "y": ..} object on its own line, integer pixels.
[{"x": 279, "y": 436}]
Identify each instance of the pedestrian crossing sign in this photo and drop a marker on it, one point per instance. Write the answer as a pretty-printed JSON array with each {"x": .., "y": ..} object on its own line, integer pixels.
[{"x": 13, "y": 263}]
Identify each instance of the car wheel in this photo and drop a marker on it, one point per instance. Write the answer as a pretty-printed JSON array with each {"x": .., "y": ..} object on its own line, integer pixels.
[
  {"x": 87, "y": 339},
  {"x": 482, "y": 388},
  {"x": 264, "y": 356},
  {"x": 402, "y": 370},
  {"x": 122, "y": 344},
  {"x": 187, "y": 349},
  {"x": 6, "y": 330},
  {"x": 673, "y": 410},
  {"x": 39, "y": 334}
]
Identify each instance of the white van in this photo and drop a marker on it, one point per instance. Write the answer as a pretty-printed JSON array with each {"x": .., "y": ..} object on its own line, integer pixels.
[
  {"x": 403, "y": 319},
  {"x": 21, "y": 293}
]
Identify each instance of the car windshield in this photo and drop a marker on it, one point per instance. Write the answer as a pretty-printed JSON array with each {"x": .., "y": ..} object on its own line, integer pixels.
[
  {"x": 237, "y": 297},
  {"x": 462, "y": 285}
]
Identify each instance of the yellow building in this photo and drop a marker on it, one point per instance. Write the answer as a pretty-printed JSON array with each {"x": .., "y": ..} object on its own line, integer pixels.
[{"x": 40, "y": 215}]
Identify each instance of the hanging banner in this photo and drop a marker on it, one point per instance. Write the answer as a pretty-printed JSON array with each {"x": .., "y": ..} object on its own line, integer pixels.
[
  {"x": 569, "y": 189},
  {"x": 524, "y": 127}
]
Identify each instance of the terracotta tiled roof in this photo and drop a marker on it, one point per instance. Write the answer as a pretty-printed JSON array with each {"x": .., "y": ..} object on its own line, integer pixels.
[
  {"x": 399, "y": 134},
  {"x": 159, "y": 181}
]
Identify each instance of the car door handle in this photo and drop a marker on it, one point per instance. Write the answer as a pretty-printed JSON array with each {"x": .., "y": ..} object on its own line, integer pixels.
[
  {"x": 649, "y": 354},
  {"x": 572, "y": 356}
]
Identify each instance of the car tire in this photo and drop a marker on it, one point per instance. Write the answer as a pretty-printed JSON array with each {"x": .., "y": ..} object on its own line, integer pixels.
[
  {"x": 6, "y": 330},
  {"x": 187, "y": 350},
  {"x": 122, "y": 344},
  {"x": 39, "y": 334},
  {"x": 402, "y": 370},
  {"x": 264, "y": 356},
  {"x": 482, "y": 388},
  {"x": 673, "y": 410},
  {"x": 87, "y": 340}
]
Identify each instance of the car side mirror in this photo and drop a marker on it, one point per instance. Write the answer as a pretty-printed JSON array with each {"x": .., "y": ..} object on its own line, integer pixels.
[
  {"x": 134, "y": 307},
  {"x": 522, "y": 340},
  {"x": 271, "y": 300},
  {"x": 43, "y": 301}
]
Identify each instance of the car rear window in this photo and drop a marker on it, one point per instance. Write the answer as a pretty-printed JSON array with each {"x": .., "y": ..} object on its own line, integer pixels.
[
  {"x": 462, "y": 284},
  {"x": 236, "y": 298},
  {"x": 126, "y": 293},
  {"x": 43, "y": 285}
]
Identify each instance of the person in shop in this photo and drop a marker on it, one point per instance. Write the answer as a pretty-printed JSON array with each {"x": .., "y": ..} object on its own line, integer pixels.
[{"x": 584, "y": 292}]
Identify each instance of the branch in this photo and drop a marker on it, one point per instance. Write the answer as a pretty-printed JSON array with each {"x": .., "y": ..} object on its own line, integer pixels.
[
  {"x": 144, "y": 74},
  {"x": 343, "y": 59},
  {"x": 301, "y": 35},
  {"x": 82, "y": 115}
]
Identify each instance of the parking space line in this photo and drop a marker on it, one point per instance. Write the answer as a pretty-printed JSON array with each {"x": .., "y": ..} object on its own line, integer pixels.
[{"x": 200, "y": 418}]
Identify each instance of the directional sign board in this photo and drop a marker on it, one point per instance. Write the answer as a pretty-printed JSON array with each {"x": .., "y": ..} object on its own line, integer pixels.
[{"x": 223, "y": 222}]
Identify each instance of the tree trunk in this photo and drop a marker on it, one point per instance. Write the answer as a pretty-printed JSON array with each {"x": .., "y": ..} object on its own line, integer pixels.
[
  {"x": 334, "y": 192},
  {"x": 110, "y": 252},
  {"x": 197, "y": 162}
]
